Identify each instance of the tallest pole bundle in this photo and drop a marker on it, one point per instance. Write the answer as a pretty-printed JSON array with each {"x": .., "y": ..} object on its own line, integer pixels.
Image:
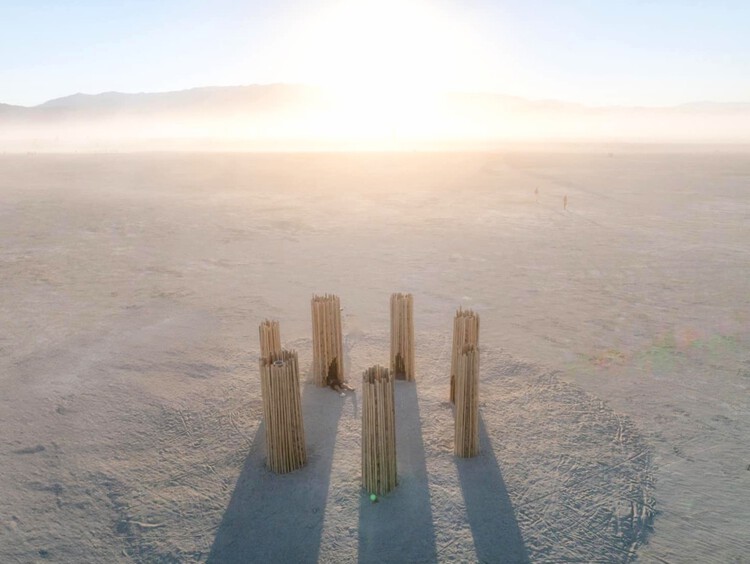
[
  {"x": 328, "y": 359},
  {"x": 465, "y": 332},
  {"x": 402, "y": 336}
]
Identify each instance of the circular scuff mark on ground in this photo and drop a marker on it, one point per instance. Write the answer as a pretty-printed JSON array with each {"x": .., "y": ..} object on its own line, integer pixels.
[
  {"x": 580, "y": 475},
  {"x": 561, "y": 476}
]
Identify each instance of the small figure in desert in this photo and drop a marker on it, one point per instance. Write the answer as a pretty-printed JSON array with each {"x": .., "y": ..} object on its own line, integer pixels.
[
  {"x": 400, "y": 372},
  {"x": 333, "y": 381},
  {"x": 565, "y": 202},
  {"x": 536, "y": 194}
]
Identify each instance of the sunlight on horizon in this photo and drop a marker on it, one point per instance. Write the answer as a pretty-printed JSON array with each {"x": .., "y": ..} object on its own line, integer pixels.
[
  {"x": 383, "y": 75},
  {"x": 383, "y": 65},
  {"x": 367, "y": 45}
]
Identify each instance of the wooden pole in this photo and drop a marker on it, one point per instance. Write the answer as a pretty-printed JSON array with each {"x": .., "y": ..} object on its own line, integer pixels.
[
  {"x": 402, "y": 336},
  {"x": 378, "y": 431},
  {"x": 466, "y": 436},
  {"x": 465, "y": 332},
  {"x": 282, "y": 412},
  {"x": 270, "y": 338},
  {"x": 327, "y": 339}
]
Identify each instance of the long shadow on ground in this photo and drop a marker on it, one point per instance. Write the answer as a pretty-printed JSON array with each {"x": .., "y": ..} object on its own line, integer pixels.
[
  {"x": 497, "y": 537},
  {"x": 279, "y": 518},
  {"x": 399, "y": 527}
]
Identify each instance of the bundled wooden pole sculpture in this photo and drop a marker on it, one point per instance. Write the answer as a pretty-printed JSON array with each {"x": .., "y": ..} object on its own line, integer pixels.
[
  {"x": 270, "y": 338},
  {"x": 327, "y": 339},
  {"x": 402, "y": 336},
  {"x": 282, "y": 412},
  {"x": 378, "y": 431},
  {"x": 466, "y": 439},
  {"x": 465, "y": 332}
]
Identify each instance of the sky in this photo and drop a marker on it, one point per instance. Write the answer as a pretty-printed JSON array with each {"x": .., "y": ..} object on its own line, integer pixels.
[{"x": 595, "y": 52}]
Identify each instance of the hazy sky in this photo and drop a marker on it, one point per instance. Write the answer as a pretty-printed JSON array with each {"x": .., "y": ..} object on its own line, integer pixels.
[{"x": 599, "y": 52}]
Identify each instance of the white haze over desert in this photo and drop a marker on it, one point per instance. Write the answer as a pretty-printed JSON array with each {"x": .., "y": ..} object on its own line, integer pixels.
[
  {"x": 574, "y": 178},
  {"x": 284, "y": 117}
]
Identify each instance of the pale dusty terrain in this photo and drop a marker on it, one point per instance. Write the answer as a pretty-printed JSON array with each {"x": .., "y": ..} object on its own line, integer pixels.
[{"x": 615, "y": 355}]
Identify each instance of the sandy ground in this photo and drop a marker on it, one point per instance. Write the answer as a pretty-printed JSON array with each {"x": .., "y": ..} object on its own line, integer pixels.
[{"x": 615, "y": 355}]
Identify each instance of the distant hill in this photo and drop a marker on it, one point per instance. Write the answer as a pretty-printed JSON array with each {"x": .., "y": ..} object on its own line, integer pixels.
[
  {"x": 298, "y": 116},
  {"x": 215, "y": 101}
]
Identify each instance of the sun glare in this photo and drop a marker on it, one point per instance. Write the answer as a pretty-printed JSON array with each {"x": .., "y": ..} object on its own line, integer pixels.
[
  {"x": 383, "y": 62},
  {"x": 367, "y": 43}
]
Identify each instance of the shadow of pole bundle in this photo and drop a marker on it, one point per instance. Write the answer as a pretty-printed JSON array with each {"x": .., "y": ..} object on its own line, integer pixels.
[
  {"x": 466, "y": 438},
  {"x": 282, "y": 412},
  {"x": 402, "y": 336},
  {"x": 270, "y": 338},
  {"x": 378, "y": 431},
  {"x": 465, "y": 332},
  {"x": 327, "y": 339}
]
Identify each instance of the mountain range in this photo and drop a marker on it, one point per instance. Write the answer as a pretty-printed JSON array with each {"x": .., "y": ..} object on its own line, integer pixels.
[{"x": 300, "y": 116}]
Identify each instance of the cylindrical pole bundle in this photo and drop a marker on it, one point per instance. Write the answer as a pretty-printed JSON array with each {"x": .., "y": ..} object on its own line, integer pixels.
[
  {"x": 402, "y": 336},
  {"x": 465, "y": 332},
  {"x": 282, "y": 412},
  {"x": 378, "y": 431},
  {"x": 270, "y": 338},
  {"x": 466, "y": 439},
  {"x": 327, "y": 339}
]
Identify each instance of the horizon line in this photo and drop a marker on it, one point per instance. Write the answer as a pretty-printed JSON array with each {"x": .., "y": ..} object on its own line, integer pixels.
[{"x": 435, "y": 91}]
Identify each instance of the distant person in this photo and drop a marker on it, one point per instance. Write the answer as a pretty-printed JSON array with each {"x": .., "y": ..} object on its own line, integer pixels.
[
  {"x": 536, "y": 194},
  {"x": 565, "y": 202}
]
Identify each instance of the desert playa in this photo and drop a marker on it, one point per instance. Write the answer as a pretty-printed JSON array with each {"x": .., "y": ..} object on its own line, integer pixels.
[{"x": 614, "y": 370}]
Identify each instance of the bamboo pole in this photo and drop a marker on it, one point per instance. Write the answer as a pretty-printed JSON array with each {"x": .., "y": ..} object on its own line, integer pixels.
[
  {"x": 270, "y": 338},
  {"x": 327, "y": 339},
  {"x": 466, "y": 435},
  {"x": 402, "y": 336},
  {"x": 282, "y": 412},
  {"x": 378, "y": 431},
  {"x": 465, "y": 332}
]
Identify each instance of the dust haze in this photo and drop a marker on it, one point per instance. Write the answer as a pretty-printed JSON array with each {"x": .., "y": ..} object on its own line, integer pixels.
[{"x": 282, "y": 117}]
